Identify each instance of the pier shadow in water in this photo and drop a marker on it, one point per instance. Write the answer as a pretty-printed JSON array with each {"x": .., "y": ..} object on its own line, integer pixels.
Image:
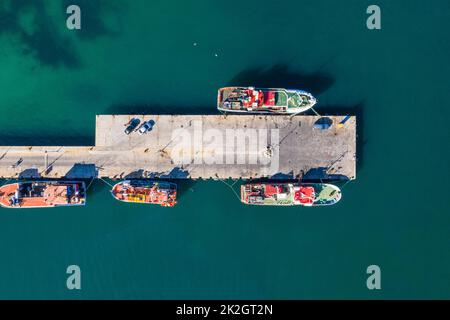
[
  {"x": 11, "y": 139},
  {"x": 158, "y": 109},
  {"x": 315, "y": 174},
  {"x": 97, "y": 187},
  {"x": 31, "y": 173},
  {"x": 175, "y": 173},
  {"x": 282, "y": 176},
  {"x": 138, "y": 174},
  {"x": 82, "y": 171},
  {"x": 280, "y": 76},
  {"x": 320, "y": 174}
]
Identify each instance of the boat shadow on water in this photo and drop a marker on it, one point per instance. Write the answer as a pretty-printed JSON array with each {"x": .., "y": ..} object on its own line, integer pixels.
[
  {"x": 314, "y": 175},
  {"x": 30, "y": 173},
  {"x": 177, "y": 173},
  {"x": 184, "y": 187},
  {"x": 281, "y": 76}
]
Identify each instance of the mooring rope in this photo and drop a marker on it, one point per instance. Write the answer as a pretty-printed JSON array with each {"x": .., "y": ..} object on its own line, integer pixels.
[
  {"x": 223, "y": 113},
  {"x": 109, "y": 184},
  {"x": 231, "y": 187},
  {"x": 90, "y": 183},
  {"x": 317, "y": 114}
]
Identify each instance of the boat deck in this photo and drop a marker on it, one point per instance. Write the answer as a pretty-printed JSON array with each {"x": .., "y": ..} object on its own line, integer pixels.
[
  {"x": 141, "y": 194},
  {"x": 48, "y": 196},
  {"x": 197, "y": 146},
  {"x": 281, "y": 96}
]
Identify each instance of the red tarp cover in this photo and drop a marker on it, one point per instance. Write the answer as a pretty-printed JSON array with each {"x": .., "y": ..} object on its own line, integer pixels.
[
  {"x": 269, "y": 98},
  {"x": 270, "y": 190},
  {"x": 305, "y": 195}
]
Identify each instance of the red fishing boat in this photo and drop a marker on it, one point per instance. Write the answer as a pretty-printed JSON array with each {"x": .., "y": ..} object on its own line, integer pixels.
[{"x": 146, "y": 191}]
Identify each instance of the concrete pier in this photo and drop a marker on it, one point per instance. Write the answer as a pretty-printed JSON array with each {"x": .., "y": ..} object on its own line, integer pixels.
[{"x": 197, "y": 146}]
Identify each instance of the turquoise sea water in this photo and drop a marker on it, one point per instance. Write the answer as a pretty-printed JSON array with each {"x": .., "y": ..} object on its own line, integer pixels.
[{"x": 140, "y": 57}]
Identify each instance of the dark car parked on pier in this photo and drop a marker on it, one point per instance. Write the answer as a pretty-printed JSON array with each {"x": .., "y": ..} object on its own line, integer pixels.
[{"x": 132, "y": 125}]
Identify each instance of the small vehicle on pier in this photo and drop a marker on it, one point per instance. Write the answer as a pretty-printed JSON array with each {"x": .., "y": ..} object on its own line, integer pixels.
[
  {"x": 132, "y": 125},
  {"x": 146, "y": 127}
]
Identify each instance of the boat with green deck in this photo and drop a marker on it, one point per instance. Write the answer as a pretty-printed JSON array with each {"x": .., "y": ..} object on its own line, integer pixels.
[
  {"x": 290, "y": 194},
  {"x": 263, "y": 100}
]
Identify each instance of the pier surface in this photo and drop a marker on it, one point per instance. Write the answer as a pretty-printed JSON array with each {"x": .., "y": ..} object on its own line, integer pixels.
[{"x": 197, "y": 146}]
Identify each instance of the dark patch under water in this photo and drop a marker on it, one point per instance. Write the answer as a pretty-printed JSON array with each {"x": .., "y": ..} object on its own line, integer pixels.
[{"x": 165, "y": 57}]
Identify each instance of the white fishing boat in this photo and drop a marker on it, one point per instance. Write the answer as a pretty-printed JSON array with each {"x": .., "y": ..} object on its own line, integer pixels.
[
  {"x": 290, "y": 194},
  {"x": 264, "y": 100}
]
